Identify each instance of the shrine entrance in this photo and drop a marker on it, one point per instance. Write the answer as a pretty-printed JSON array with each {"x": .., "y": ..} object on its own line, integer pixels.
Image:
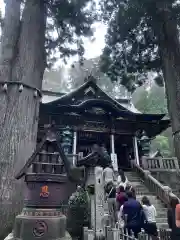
[
  {"x": 87, "y": 139},
  {"x": 124, "y": 151}
]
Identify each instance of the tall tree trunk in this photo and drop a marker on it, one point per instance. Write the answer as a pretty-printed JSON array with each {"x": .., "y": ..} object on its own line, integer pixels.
[
  {"x": 19, "y": 128},
  {"x": 170, "y": 52},
  {"x": 8, "y": 48}
]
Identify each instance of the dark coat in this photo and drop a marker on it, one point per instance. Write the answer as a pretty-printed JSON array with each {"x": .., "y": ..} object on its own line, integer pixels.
[{"x": 171, "y": 217}]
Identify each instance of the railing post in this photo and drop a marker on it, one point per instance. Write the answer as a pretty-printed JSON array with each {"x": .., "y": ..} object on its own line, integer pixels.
[
  {"x": 90, "y": 234},
  {"x": 161, "y": 163},
  {"x": 85, "y": 233},
  {"x": 109, "y": 234},
  {"x": 167, "y": 191},
  {"x": 115, "y": 234},
  {"x": 147, "y": 173},
  {"x": 176, "y": 162},
  {"x": 144, "y": 162}
]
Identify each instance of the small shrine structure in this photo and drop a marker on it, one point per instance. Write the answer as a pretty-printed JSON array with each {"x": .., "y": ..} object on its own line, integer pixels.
[{"x": 49, "y": 184}]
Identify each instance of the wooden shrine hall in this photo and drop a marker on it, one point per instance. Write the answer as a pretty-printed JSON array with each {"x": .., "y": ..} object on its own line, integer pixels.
[{"x": 88, "y": 116}]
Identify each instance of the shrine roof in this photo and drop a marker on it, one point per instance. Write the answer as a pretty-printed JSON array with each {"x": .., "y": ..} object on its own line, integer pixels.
[
  {"x": 50, "y": 97},
  {"x": 90, "y": 95}
]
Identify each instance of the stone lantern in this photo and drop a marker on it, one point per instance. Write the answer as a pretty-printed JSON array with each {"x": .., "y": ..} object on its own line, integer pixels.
[{"x": 46, "y": 175}]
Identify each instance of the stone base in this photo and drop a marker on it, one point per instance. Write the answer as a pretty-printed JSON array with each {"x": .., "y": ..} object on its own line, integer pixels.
[{"x": 45, "y": 224}]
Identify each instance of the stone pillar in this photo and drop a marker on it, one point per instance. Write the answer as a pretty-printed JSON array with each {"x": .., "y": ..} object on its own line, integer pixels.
[
  {"x": 90, "y": 181},
  {"x": 92, "y": 199},
  {"x": 74, "y": 146},
  {"x": 136, "y": 153},
  {"x": 99, "y": 201}
]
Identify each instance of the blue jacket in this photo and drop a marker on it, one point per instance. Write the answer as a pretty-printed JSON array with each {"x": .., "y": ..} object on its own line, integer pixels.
[{"x": 134, "y": 211}]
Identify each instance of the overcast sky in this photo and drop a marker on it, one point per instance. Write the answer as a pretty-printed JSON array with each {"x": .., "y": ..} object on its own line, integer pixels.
[{"x": 92, "y": 49}]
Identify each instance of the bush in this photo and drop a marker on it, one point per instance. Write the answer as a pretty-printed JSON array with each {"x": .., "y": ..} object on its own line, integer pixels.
[{"x": 78, "y": 213}]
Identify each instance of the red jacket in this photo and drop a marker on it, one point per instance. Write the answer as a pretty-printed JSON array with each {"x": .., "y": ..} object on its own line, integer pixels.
[{"x": 121, "y": 198}]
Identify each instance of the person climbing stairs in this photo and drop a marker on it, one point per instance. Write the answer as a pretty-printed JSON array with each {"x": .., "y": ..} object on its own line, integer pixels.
[{"x": 142, "y": 190}]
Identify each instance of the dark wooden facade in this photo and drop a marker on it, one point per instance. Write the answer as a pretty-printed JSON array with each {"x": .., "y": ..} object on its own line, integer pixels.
[
  {"x": 94, "y": 115},
  {"x": 90, "y": 109}
]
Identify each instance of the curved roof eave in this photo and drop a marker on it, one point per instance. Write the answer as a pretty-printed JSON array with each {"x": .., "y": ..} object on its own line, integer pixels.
[{"x": 128, "y": 107}]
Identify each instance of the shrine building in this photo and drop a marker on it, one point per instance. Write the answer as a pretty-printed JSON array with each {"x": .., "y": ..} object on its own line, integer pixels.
[{"x": 88, "y": 116}]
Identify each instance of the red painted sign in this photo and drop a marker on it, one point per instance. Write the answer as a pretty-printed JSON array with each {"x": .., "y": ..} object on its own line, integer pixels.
[{"x": 44, "y": 192}]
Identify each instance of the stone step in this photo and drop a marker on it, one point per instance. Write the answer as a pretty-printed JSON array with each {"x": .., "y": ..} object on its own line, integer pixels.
[
  {"x": 142, "y": 190},
  {"x": 152, "y": 198},
  {"x": 161, "y": 220},
  {"x": 133, "y": 180},
  {"x": 153, "y": 202},
  {"x": 131, "y": 175},
  {"x": 162, "y": 214},
  {"x": 163, "y": 225}
]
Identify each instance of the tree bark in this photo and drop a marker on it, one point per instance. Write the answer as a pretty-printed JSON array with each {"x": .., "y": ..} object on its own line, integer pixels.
[
  {"x": 8, "y": 47},
  {"x": 19, "y": 127},
  {"x": 169, "y": 46}
]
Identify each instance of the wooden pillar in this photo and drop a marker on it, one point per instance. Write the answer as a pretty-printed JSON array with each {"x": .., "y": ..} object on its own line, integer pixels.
[
  {"x": 74, "y": 146},
  {"x": 113, "y": 154},
  {"x": 136, "y": 152},
  {"x": 112, "y": 144}
]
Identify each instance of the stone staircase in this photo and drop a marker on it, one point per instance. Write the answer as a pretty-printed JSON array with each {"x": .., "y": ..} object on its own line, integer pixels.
[{"x": 142, "y": 190}]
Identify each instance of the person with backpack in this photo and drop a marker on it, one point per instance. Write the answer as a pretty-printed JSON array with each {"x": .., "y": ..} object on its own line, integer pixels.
[{"x": 133, "y": 215}]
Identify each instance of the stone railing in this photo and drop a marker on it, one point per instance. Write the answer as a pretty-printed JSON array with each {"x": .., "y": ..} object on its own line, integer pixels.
[
  {"x": 118, "y": 233},
  {"x": 162, "y": 192},
  {"x": 160, "y": 164}
]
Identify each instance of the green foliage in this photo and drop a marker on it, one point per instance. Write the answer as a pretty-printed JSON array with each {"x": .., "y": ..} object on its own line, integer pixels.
[
  {"x": 67, "y": 22},
  {"x": 161, "y": 143},
  {"x": 78, "y": 213},
  {"x": 154, "y": 101},
  {"x": 133, "y": 38}
]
